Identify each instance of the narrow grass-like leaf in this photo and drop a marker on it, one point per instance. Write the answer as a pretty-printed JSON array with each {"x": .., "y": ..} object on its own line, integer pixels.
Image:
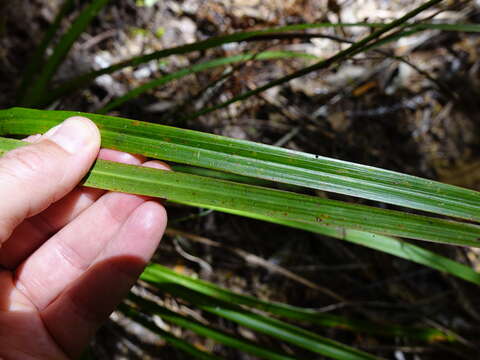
[
  {"x": 266, "y": 325},
  {"x": 251, "y": 200},
  {"x": 38, "y": 57},
  {"x": 389, "y": 245},
  {"x": 473, "y": 28},
  {"x": 266, "y": 55},
  {"x": 156, "y": 273},
  {"x": 203, "y": 330},
  {"x": 404, "y": 250},
  {"x": 224, "y": 196},
  {"x": 260, "y": 161},
  {"x": 39, "y": 87},
  {"x": 84, "y": 79},
  {"x": 168, "y": 337},
  {"x": 368, "y": 42}
]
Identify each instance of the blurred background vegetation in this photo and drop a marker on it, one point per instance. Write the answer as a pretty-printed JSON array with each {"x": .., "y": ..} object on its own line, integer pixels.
[{"x": 411, "y": 107}]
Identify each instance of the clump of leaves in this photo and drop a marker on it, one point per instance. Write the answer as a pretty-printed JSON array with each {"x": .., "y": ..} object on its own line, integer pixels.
[{"x": 233, "y": 165}]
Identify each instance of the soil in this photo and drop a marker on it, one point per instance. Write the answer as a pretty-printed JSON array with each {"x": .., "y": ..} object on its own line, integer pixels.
[{"x": 372, "y": 110}]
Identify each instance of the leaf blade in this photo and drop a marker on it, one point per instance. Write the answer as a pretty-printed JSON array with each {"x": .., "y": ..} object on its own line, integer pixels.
[
  {"x": 260, "y": 161},
  {"x": 38, "y": 56},
  {"x": 168, "y": 337},
  {"x": 207, "y": 331},
  {"x": 36, "y": 92},
  {"x": 154, "y": 272},
  {"x": 266, "y": 325},
  {"x": 271, "y": 203},
  {"x": 266, "y": 55}
]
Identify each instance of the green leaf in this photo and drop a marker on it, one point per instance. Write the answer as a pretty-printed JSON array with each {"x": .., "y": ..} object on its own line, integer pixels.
[
  {"x": 222, "y": 195},
  {"x": 84, "y": 79},
  {"x": 39, "y": 87},
  {"x": 226, "y": 196},
  {"x": 237, "y": 198},
  {"x": 171, "y": 339},
  {"x": 38, "y": 57},
  {"x": 366, "y": 43},
  {"x": 207, "y": 192},
  {"x": 390, "y": 245},
  {"x": 27, "y": 122},
  {"x": 264, "y": 162},
  {"x": 263, "y": 324},
  {"x": 156, "y": 274},
  {"x": 473, "y": 28},
  {"x": 203, "y": 330},
  {"x": 267, "y": 55},
  {"x": 256, "y": 35}
]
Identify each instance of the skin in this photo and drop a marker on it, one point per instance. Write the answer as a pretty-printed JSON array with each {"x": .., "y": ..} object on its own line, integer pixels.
[{"x": 68, "y": 254}]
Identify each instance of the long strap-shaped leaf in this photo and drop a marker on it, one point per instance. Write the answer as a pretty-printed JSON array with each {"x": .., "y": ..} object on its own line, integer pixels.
[
  {"x": 267, "y": 325},
  {"x": 389, "y": 245},
  {"x": 39, "y": 87},
  {"x": 168, "y": 337},
  {"x": 38, "y": 57},
  {"x": 266, "y": 55},
  {"x": 84, "y": 79},
  {"x": 261, "y": 161},
  {"x": 262, "y": 352},
  {"x": 251, "y": 200},
  {"x": 357, "y": 47},
  {"x": 156, "y": 273}
]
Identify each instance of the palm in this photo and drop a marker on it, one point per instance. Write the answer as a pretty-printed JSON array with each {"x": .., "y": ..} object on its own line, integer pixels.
[{"x": 66, "y": 268}]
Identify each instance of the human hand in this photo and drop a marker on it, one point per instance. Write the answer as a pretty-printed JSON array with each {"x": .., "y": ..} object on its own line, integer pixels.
[{"x": 67, "y": 254}]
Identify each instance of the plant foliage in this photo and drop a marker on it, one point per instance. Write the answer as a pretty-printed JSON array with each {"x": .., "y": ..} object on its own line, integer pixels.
[{"x": 246, "y": 178}]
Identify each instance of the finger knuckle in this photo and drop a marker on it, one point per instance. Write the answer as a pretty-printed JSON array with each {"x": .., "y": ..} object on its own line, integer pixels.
[{"x": 25, "y": 163}]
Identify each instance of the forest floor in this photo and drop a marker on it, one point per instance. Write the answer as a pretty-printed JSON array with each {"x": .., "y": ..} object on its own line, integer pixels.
[{"x": 373, "y": 110}]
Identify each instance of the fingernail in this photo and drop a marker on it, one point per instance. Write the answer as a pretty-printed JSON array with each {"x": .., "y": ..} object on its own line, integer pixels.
[{"x": 73, "y": 135}]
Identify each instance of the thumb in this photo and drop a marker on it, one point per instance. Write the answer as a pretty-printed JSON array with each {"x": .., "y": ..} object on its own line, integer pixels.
[{"x": 34, "y": 176}]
